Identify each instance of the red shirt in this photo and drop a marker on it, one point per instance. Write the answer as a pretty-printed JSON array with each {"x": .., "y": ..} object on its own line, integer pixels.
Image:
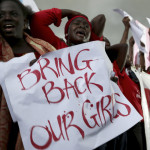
[
  {"x": 129, "y": 88},
  {"x": 40, "y": 26}
]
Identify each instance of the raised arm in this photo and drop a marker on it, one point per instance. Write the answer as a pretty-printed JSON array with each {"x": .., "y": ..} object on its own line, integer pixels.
[
  {"x": 119, "y": 53},
  {"x": 40, "y": 22},
  {"x": 98, "y": 24},
  {"x": 124, "y": 38},
  {"x": 70, "y": 13}
]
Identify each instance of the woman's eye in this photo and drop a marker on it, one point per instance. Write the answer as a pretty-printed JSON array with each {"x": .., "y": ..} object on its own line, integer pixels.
[
  {"x": 1, "y": 15},
  {"x": 76, "y": 23},
  {"x": 87, "y": 26},
  {"x": 15, "y": 14}
]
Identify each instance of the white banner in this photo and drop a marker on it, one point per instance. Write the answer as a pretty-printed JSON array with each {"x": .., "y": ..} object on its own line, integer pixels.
[
  {"x": 146, "y": 41},
  {"x": 144, "y": 80},
  {"x": 148, "y": 19},
  {"x": 66, "y": 100}
]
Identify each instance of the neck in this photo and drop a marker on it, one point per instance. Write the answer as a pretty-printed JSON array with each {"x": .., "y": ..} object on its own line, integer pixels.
[
  {"x": 20, "y": 46},
  {"x": 69, "y": 43},
  {"x": 13, "y": 42}
]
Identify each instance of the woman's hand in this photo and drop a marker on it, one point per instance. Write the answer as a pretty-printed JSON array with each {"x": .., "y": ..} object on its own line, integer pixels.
[{"x": 71, "y": 13}]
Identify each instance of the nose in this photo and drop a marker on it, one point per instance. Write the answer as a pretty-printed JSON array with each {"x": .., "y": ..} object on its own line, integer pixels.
[
  {"x": 7, "y": 16},
  {"x": 82, "y": 25}
]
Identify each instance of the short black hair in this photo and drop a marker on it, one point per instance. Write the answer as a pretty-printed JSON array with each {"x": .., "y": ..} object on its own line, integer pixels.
[{"x": 27, "y": 11}]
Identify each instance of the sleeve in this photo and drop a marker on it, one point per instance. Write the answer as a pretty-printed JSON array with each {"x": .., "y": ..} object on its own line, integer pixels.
[
  {"x": 94, "y": 37},
  {"x": 117, "y": 70},
  {"x": 40, "y": 22}
]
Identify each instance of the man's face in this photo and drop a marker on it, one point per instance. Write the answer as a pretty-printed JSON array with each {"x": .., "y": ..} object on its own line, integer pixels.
[
  {"x": 79, "y": 31},
  {"x": 11, "y": 20}
]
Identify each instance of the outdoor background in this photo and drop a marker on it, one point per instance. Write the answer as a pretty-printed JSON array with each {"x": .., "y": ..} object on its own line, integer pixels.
[{"x": 138, "y": 9}]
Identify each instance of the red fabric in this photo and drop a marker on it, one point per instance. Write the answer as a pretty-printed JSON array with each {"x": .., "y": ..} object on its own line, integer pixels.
[
  {"x": 94, "y": 37},
  {"x": 147, "y": 93},
  {"x": 70, "y": 20},
  {"x": 148, "y": 72},
  {"x": 40, "y": 26},
  {"x": 130, "y": 89}
]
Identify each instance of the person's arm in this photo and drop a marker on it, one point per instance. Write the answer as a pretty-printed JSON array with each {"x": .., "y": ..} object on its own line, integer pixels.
[
  {"x": 119, "y": 53},
  {"x": 98, "y": 24},
  {"x": 124, "y": 38},
  {"x": 70, "y": 13},
  {"x": 40, "y": 22},
  {"x": 131, "y": 44},
  {"x": 5, "y": 124},
  {"x": 142, "y": 61}
]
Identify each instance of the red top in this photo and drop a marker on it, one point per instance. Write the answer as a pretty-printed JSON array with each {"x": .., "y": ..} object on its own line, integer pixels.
[
  {"x": 40, "y": 26},
  {"x": 129, "y": 88}
]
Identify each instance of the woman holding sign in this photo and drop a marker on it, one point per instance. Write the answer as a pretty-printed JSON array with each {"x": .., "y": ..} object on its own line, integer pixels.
[{"x": 14, "y": 42}]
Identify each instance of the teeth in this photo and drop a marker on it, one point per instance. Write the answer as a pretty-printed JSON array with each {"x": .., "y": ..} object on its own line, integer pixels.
[
  {"x": 81, "y": 32},
  {"x": 8, "y": 25}
]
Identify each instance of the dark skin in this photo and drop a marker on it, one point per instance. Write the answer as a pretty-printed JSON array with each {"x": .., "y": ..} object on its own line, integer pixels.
[
  {"x": 12, "y": 23},
  {"x": 78, "y": 32},
  {"x": 79, "y": 29},
  {"x": 118, "y": 52},
  {"x": 125, "y": 21},
  {"x": 98, "y": 24}
]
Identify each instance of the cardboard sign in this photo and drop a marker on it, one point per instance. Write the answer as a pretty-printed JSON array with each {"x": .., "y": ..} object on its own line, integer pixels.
[{"x": 66, "y": 100}]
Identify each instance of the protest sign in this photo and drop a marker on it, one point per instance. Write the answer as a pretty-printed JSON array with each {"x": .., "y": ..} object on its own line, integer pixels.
[
  {"x": 144, "y": 79},
  {"x": 123, "y": 13},
  {"x": 66, "y": 100}
]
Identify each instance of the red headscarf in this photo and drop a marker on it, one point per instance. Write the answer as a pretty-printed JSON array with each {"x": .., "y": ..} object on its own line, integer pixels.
[{"x": 70, "y": 20}]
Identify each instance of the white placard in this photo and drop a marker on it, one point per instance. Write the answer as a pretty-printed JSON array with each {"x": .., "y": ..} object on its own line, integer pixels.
[{"x": 66, "y": 100}]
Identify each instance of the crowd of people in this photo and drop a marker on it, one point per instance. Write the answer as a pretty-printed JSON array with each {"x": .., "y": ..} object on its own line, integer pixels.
[{"x": 20, "y": 34}]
